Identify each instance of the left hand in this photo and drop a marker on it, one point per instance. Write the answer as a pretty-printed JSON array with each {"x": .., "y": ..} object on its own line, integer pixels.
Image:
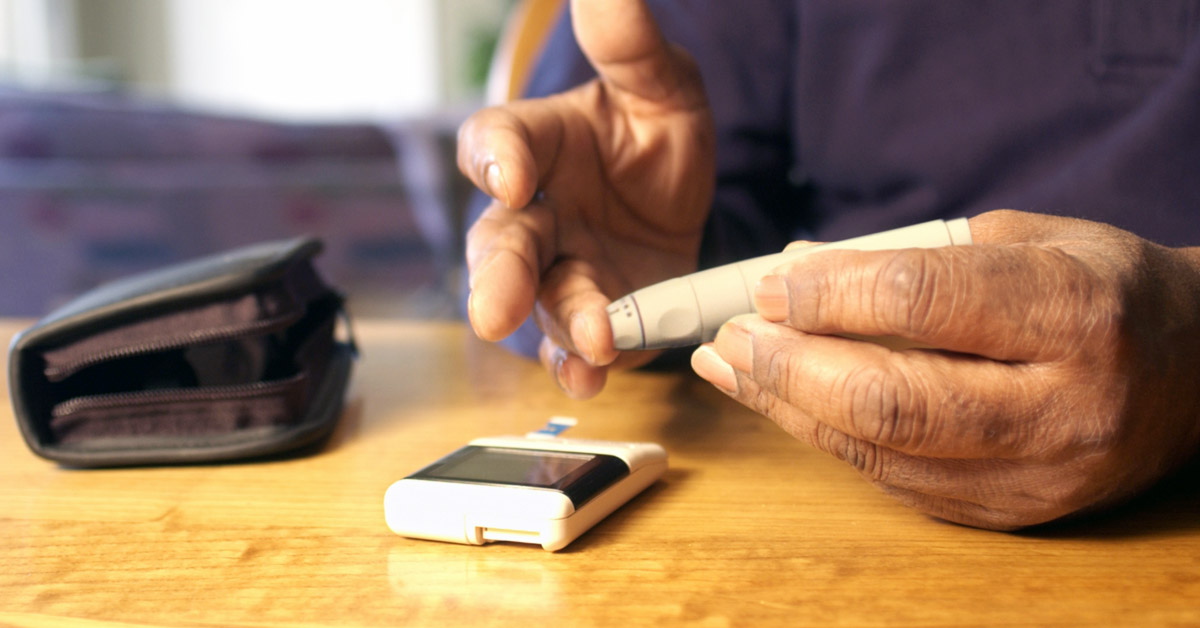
[
  {"x": 1063, "y": 373},
  {"x": 599, "y": 190}
]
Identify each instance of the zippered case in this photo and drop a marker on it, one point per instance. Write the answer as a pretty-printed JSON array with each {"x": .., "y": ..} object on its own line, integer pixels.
[{"x": 225, "y": 358}]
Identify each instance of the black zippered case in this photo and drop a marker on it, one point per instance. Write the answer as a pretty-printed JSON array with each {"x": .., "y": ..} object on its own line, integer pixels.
[{"x": 230, "y": 357}]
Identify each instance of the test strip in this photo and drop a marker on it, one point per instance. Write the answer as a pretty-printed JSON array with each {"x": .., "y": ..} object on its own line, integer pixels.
[{"x": 554, "y": 427}]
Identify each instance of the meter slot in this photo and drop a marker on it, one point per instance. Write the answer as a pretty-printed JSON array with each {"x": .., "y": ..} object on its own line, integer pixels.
[{"x": 505, "y": 534}]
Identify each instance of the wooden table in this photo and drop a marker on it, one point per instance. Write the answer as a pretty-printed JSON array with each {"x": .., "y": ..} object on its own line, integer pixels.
[{"x": 747, "y": 528}]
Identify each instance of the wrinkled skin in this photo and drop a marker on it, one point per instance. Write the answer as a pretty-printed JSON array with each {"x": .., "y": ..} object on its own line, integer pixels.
[
  {"x": 596, "y": 191},
  {"x": 1051, "y": 368},
  {"x": 1061, "y": 378}
]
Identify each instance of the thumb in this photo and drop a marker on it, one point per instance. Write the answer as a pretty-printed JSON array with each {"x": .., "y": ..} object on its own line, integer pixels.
[{"x": 625, "y": 46}]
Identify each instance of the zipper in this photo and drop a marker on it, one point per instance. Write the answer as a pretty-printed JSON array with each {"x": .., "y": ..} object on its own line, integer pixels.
[
  {"x": 182, "y": 395},
  {"x": 58, "y": 373}
]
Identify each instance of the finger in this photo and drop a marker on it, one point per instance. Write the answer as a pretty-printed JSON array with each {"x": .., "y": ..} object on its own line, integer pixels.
[
  {"x": 507, "y": 250},
  {"x": 921, "y": 403},
  {"x": 625, "y": 46},
  {"x": 571, "y": 311},
  {"x": 505, "y": 150},
  {"x": 577, "y": 378},
  {"x": 956, "y": 489},
  {"x": 1016, "y": 303},
  {"x": 868, "y": 458}
]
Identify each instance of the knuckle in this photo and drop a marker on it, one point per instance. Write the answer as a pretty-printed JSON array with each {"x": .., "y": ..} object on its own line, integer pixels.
[
  {"x": 779, "y": 367},
  {"x": 772, "y": 379},
  {"x": 908, "y": 295},
  {"x": 521, "y": 238},
  {"x": 516, "y": 236},
  {"x": 866, "y": 458},
  {"x": 484, "y": 227},
  {"x": 1077, "y": 309},
  {"x": 768, "y": 404},
  {"x": 1103, "y": 316},
  {"x": 563, "y": 287},
  {"x": 883, "y": 407}
]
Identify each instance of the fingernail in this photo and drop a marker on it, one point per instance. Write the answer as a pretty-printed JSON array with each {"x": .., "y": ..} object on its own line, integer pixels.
[
  {"x": 708, "y": 364},
  {"x": 558, "y": 363},
  {"x": 771, "y": 298},
  {"x": 582, "y": 337},
  {"x": 471, "y": 310},
  {"x": 480, "y": 321},
  {"x": 496, "y": 184}
]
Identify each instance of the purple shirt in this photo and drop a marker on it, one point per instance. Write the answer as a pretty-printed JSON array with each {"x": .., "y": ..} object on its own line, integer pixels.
[{"x": 842, "y": 117}]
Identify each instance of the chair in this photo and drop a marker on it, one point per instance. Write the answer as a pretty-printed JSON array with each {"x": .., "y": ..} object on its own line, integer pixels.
[{"x": 525, "y": 33}]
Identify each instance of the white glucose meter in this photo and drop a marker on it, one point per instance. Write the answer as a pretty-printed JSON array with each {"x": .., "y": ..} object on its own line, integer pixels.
[{"x": 544, "y": 491}]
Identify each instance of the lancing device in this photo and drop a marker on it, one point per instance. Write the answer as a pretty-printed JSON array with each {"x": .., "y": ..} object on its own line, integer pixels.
[{"x": 688, "y": 310}]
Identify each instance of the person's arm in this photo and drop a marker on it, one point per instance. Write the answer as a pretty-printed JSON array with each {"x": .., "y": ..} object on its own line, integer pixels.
[{"x": 1062, "y": 376}]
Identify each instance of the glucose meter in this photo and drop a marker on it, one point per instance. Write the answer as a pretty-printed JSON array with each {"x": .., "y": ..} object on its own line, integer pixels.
[{"x": 543, "y": 491}]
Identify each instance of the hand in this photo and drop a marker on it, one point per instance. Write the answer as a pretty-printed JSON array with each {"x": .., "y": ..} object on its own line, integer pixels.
[
  {"x": 1063, "y": 379},
  {"x": 598, "y": 191}
]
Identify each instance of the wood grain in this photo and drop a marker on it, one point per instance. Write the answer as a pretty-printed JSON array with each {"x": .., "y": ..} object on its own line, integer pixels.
[{"x": 748, "y": 527}]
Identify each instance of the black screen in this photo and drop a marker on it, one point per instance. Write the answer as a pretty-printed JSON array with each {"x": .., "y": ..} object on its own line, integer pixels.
[
  {"x": 578, "y": 475},
  {"x": 511, "y": 466}
]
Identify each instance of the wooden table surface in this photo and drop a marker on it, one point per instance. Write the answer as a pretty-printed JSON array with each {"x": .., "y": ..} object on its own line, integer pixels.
[{"x": 747, "y": 528}]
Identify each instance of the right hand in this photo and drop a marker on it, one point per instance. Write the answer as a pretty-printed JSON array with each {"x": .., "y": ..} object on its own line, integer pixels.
[{"x": 597, "y": 191}]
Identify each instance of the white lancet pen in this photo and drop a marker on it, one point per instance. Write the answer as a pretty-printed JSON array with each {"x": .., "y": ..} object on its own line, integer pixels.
[{"x": 688, "y": 310}]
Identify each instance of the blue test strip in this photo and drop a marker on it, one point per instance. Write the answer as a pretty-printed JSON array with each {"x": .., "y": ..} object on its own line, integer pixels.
[{"x": 555, "y": 426}]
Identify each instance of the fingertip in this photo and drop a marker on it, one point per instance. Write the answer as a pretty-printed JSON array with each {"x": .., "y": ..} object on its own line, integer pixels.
[
  {"x": 511, "y": 178},
  {"x": 521, "y": 174},
  {"x": 497, "y": 186},
  {"x": 482, "y": 325},
  {"x": 501, "y": 297},
  {"x": 495, "y": 153},
  {"x": 579, "y": 379},
  {"x": 574, "y": 376},
  {"x": 709, "y": 365},
  {"x": 592, "y": 336}
]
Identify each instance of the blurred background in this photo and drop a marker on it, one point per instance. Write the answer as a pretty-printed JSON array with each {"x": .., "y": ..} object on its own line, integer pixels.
[{"x": 137, "y": 133}]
